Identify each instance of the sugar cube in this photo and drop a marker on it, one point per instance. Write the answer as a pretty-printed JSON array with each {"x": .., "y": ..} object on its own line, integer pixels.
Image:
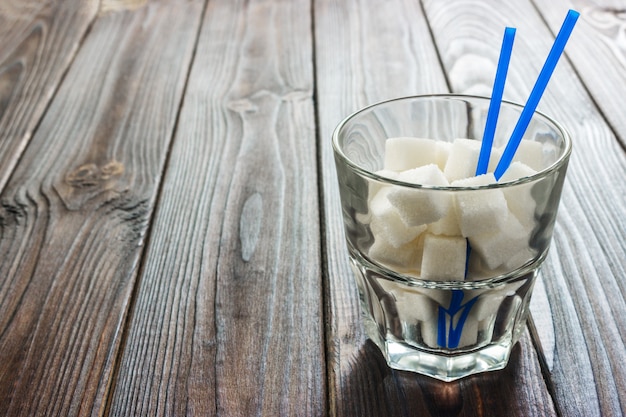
[
  {"x": 530, "y": 153},
  {"x": 494, "y": 158},
  {"x": 448, "y": 225},
  {"x": 462, "y": 159},
  {"x": 406, "y": 257},
  {"x": 506, "y": 247},
  {"x": 386, "y": 222},
  {"x": 374, "y": 186},
  {"x": 519, "y": 198},
  {"x": 414, "y": 307},
  {"x": 486, "y": 307},
  {"x": 489, "y": 302},
  {"x": 404, "y": 153},
  {"x": 443, "y": 258},
  {"x": 516, "y": 171},
  {"x": 442, "y": 154},
  {"x": 425, "y": 175},
  {"x": 483, "y": 211},
  {"x": 415, "y": 206},
  {"x": 379, "y": 205}
]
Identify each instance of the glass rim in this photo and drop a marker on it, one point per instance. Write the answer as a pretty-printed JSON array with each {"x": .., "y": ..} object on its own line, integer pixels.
[{"x": 561, "y": 160}]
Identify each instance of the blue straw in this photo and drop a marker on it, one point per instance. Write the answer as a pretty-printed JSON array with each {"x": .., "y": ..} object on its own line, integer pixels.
[
  {"x": 537, "y": 91},
  {"x": 496, "y": 100}
]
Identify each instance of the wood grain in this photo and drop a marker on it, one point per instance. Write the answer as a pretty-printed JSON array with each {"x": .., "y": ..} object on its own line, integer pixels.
[
  {"x": 366, "y": 52},
  {"x": 39, "y": 42},
  {"x": 353, "y": 69},
  {"x": 161, "y": 192},
  {"x": 75, "y": 213},
  {"x": 584, "y": 272},
  {"x": 598, "y": 45},
  {"x": 228, "y": 319}
]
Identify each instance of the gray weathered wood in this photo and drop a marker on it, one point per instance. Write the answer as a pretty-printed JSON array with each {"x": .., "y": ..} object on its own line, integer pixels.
[
  {"x": 227, "y": 301},
  {"x": 74, "y": 214},
  {"x": 363, "y": 55},
  {"x": 584, "y": 272},
  {"x": 228, "y": 318},
  {"x": 369, "y": 51},
  {"x": 39, "y": 42},
  {"x": 597, "y": 51}
]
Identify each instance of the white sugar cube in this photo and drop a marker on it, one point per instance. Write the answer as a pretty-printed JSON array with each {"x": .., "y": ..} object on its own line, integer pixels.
[
  {"x": 448, "y": 225},
  {"x": 374, "y": 186},
  {"x": 489, "y": 302},
  {"x": 494, "y": 158},
  {"x": 483, "y": 211},
  {"x": 406, "y": 153},
  {"x": 486, "y": 307},
  {"x": 443, "y": 258},
  {"x": 443, "y": 153},
  {"x": 379, "y": 205},
  {"x": 414, "y": 307},
  {"x": 507, "y": 247},
  {"x": 425, "y": 175},
  {"x": 499, "y": 307},
  {"x": 406, "y": 257},
  {"x": 519, "y": 198},
  {"x": 394, "y": 231},
  {"x": 420, "y": 206},
  {"x": 516, "y": 171},
  {"x": 530, "y": 153},
  {"x": 462, "y": 159},
  {"x": 386, "y": 222}
]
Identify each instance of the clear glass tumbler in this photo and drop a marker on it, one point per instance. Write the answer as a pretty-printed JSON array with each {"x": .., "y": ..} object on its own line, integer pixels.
[{"x": 445, "y": 269}]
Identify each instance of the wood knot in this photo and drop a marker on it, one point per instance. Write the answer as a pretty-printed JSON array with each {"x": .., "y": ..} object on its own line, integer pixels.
[
  {"x": 250, "y": 225},
  {"x": 243, "y": 106},
  {"x": 91, "y": 175}
]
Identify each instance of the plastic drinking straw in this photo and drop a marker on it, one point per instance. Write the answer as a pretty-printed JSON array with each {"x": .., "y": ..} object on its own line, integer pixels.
[
  {"x": 496, "y": 100},
  {"x": 449, "y": 335},
  {"x": 537, "y": 91}
]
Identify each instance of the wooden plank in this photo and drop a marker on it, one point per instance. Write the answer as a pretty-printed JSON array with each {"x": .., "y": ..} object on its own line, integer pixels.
[
  {"x": 584, "y": 272},
  {"x": 600, "y": 36},
  {"x": 228, "y": 319},
  {"x": 39, "y": 41},
  {"x": 368, "y": 51},
  {"x": 75, "y": 213}
]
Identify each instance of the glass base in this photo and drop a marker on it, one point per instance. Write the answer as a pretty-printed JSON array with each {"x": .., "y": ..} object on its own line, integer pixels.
[
  {"x": 446, "y": 330},
  {"x": 444, "y": 367}
]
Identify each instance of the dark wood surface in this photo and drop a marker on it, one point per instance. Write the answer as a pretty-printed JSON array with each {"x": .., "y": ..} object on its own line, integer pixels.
[{"x": 170, "y": 234}]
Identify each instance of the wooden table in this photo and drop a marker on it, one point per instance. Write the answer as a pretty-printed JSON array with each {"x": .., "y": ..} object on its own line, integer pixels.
[{"x": 170, "y": 233}]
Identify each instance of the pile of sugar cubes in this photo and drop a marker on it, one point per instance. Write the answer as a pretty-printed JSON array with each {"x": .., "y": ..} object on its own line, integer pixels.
[{"x": 426, "y": 232}]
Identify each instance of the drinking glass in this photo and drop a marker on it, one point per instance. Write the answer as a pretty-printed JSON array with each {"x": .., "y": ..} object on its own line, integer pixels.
[{"x": 445, "y": 272}]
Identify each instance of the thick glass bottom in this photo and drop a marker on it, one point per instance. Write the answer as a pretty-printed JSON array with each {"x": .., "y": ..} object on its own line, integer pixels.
[
  {"x": 445, "y": 330},
  {"x": 441, "y": 366}
]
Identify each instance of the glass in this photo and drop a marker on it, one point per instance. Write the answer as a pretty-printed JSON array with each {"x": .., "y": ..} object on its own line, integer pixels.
[{"x": 445, "y": 271}]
